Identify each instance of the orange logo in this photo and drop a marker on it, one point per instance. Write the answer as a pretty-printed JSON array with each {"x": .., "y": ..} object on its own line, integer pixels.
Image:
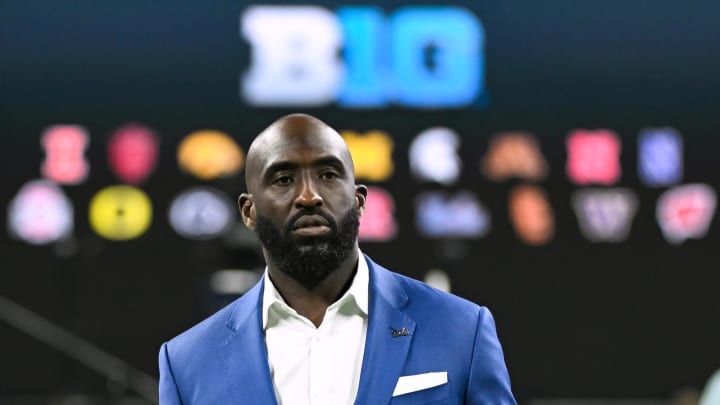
[
  {"x": 531, "y": 214},
  {"x": 514, "y": 154},
  {"x": 210, "y": 154}
]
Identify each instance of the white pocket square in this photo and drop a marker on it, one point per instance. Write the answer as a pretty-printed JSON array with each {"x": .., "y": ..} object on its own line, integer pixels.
[{"x": 417, "y": 382}]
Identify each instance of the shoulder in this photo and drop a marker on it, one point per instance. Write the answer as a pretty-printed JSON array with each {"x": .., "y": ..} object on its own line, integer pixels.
[
  {"x": 204, "y": 330},
  {"x": 213, "y": 330},
  {"x": 424, "y": 295},
  {"x": 425, "y": 299},
  {"x": 439, "y": 316}
]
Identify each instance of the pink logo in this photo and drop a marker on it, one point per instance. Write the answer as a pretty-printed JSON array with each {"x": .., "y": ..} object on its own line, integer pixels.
[
  {"x": 593, "y": 157},
  {"x": 686, "y": 212},
  {"x": 40, "y": 213},
  {"x": 132, "y": 153},
  {"x": 377, "y": 222},
  {"x": 64, "y": 148}
]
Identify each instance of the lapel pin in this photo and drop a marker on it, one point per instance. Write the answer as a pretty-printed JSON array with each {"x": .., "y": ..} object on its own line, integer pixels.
[{"x": 399, "y": 332}]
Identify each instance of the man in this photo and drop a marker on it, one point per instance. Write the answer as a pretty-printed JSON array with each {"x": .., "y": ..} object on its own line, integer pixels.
[{"x": 326, "y": 325}]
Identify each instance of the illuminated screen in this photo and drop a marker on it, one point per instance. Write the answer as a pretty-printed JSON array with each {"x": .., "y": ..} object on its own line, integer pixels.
[{"x": 555, "y": 161}]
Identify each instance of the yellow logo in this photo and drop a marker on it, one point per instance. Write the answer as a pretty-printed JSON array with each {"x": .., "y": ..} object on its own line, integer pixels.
[
  {"x": 210, "y": 154},
  {"x": 371, "y": 153},
  {"x": 120, "y": 212}
]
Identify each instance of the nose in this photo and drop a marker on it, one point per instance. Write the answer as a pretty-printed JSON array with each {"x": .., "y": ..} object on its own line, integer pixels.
[{"x": 307, "y": 194}]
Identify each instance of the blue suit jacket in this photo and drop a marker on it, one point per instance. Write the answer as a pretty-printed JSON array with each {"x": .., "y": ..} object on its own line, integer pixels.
[{"x": 223, "y": 359}]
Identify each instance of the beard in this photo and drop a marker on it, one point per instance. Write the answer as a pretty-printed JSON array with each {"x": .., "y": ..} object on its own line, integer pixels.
[{"x": 309, "y": 260}]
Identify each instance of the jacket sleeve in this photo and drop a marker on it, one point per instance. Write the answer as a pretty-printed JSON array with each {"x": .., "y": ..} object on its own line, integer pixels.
[
  {"x": 169, "y": 394},
  {"x": 489, "y": 381}
]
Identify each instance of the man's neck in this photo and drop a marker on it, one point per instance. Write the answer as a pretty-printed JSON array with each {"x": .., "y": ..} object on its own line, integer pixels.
[{"x": 312, "y": 301}]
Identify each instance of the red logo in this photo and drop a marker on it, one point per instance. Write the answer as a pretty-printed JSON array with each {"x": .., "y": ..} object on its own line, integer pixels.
[
  {"x": 686, "y": 212},
  {"x": 593, "y": 157},
  {"x": 132, "y": 153}
]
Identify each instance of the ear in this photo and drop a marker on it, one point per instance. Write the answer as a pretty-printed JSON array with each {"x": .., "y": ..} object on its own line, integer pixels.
[
  {"x": 360, "y": 198},
  {"x": 247, "y": 210}
]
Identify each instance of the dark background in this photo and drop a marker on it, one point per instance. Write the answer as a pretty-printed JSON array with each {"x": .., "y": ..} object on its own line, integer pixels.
[{"x": 576, "y": 319}]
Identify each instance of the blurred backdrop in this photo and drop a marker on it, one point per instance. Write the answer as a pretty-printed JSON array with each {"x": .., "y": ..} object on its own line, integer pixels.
[{"x": 554, "y": 161}]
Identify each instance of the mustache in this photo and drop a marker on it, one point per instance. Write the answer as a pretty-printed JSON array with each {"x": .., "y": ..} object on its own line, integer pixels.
[{"x": 288, "y": 227}]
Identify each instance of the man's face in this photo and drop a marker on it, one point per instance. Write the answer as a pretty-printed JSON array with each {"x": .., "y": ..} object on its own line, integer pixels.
[
  {"x": 311, "y": 259},
  {"x": 306, "y": 205}
]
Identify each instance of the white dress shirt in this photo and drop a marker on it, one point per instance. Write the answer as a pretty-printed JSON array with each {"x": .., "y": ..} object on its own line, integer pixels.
[{"x": 317, "y": 366}]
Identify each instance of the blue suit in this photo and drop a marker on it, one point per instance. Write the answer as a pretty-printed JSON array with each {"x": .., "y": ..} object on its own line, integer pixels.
[{"x": 223, "y": 359}]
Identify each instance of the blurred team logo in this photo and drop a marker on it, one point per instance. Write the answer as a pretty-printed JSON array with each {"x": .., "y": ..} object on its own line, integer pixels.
[
  {"x": 660, "y": 157},
  {"x": 439, "y": 279},
  {"x": 210, "y": 154},
  {"x": 40, "y": 213},
  {"x": 605, "y": 215},
  {"x": 201, "y": 213},
  {"x": 685, "y": 212},
  {"x": 233, "y": 281},
  {"x": 531, "y": 214},
  {"x": 377, "y": 223},
  {"x": 514, "y": 154},
  {"x": 422, "y": 57},
  {"x": 434, "y": 156},
  {"x": 132, "y": 153},
  {"x": 460, "y": 215},
  {"x": 593, "y": 157},
  {"x": 371, "y": 153},
  {"x": 120, "y": 212},
  {"x": 64, "y": 154}
]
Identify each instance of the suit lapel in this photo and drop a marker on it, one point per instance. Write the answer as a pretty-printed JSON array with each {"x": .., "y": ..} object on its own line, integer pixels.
[
  {"x": 244, "y": 353},
  {"x": 387, "y": 344}
]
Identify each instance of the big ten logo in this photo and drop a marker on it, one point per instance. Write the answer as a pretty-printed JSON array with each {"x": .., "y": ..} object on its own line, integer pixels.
[{"x": 418, "y": 57}]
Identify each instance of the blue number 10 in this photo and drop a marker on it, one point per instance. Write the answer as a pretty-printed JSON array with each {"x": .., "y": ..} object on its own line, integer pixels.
[{"x": 422, "y": 57}]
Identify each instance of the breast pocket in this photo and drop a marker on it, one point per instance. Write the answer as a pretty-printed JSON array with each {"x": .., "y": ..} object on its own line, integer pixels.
[{"x": 434, "y": 395}]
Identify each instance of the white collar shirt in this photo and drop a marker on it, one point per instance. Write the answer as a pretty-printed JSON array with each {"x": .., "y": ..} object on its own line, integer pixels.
[{"x": 317, "y": 365}]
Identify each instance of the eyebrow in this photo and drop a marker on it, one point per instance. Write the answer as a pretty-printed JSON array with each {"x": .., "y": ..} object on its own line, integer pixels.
[{"x": 291, "y": 165}]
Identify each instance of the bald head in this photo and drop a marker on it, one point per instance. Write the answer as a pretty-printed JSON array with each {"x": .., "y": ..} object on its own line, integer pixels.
[
  {"x": 303, "y": 203},
  {"x": 294, "y": 130}
]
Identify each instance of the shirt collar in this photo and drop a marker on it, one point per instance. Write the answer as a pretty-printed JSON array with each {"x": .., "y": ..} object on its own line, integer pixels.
[{"x": 358, "y": 291}]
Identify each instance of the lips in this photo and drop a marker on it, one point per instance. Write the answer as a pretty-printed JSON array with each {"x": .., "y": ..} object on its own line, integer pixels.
[
  {"x": 311, "y": 225},
  {"x": 307, "y": 221}
]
